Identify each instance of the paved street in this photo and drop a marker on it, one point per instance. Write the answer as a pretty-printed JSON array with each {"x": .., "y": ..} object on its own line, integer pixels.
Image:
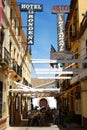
[{"x": 53, "y": 127}]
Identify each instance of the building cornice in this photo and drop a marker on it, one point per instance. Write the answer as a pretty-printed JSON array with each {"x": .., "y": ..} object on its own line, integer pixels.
[{"x": 72, "y": 7}]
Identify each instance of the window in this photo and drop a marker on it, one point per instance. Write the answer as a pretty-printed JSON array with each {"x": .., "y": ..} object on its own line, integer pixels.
[
  {"x": 16, "y": 102},
  {"x": 18, "y": 31},
  {"x": 3, "y": 3},
  {"x": 14, "y": 23},
  {"x": 1, "y": 95},
  {"x": 70, "y": 30},
  {"x": 17, "y": 58},
  {"x": 1, "y": 36},
  {"x": 11, "y": 15},
  {"x": 14, "y": 53},
  {"x": 86, "y": 48},
  {"x": 75, "y": 22},
  {"x": 1, "y": 43},
  {"x": 10, "y": 50},
  {"x": 85, "y": 64}
]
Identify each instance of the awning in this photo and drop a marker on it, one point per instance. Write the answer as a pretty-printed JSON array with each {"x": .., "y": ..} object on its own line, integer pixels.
[{"x": 34, "y": 92}]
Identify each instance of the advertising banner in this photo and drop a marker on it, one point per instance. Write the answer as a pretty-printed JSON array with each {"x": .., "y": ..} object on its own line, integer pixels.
[
  {"x": 60, "y": 11},
  {"x": 61, "y": 32}
]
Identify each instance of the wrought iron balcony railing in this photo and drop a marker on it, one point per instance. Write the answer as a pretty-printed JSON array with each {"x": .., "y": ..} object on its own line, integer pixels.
[
  {"x": 19, "y": 70},
  {"x": 65, "y": 84},
  {"x": 16, "y": 68},
  {"x": 4, "y": 56},
  {"x": 25, "y": 81}
]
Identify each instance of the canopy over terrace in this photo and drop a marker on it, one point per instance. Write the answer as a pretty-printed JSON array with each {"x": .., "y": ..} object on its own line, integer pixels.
[{"x": 34, "y": 92}]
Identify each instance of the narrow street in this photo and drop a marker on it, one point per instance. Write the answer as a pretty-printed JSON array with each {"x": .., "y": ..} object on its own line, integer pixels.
[
  {"x": 53, "y": 127},
  {"x": 43, "y": 65}
]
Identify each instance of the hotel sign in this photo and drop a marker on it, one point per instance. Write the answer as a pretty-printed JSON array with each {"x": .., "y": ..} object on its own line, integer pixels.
[
  {"x": 31, "y": 9},
  {"x": 61, "y": 37},
  {"x": 60, "y": 11}
]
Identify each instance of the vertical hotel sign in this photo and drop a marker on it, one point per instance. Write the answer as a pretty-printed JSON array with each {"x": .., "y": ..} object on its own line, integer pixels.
[
  {"x": 60, "y": 11},
  {"x": 0, "y": 13},
  {"x": 31, "y": 9}
]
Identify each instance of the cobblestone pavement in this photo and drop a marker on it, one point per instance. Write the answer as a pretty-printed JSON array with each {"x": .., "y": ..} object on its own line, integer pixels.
[{"x": 53, "y": 127}]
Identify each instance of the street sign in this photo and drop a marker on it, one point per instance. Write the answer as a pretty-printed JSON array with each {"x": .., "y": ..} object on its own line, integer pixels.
[{"x": 61, "y": 55}]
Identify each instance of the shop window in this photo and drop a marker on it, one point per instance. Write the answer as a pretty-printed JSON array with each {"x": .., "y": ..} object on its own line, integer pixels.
[{"x": 1, "y": 95}]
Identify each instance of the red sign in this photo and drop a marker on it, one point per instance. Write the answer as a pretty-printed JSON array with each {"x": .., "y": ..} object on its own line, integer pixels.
[
  {"x": 57, "y": 9},
  {"x": 0, "y": 16}
]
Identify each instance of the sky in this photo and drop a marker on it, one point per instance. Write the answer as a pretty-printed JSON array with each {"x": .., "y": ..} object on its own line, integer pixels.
[
  {"x": 45, "y": 33},
  {"x": 45, "y": 28}
]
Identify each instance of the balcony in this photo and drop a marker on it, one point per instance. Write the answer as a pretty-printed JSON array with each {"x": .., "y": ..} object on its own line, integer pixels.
[
  {"x": 73, "y": 37},
  {"x": 4, "y": 57},
  {"x": 25, "y": 81},
  {"x": 65, "y": 84},
  {"x": 15, "y": 71}
]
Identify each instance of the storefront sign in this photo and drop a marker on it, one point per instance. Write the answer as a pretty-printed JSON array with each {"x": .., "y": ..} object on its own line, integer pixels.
[
  {"x": 61, "y": 38},
  {"x": 30, "y": 29},
  {"x": 30, "y": 8},
  {"x": 60, "y": 11},
  {"x": 34, "y": 7}
]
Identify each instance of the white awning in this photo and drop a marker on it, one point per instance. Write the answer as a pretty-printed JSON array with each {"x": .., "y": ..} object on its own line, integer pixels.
[{"x": 34, "y": 92}]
